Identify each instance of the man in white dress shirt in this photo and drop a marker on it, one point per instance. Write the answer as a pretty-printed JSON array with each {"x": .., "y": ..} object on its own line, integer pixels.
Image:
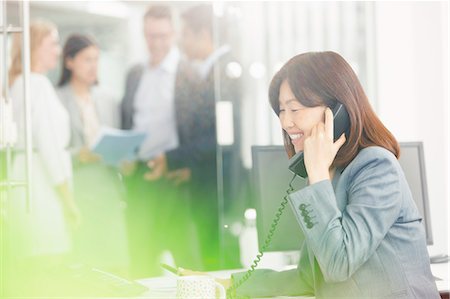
[{"x": 158, "y": 216}]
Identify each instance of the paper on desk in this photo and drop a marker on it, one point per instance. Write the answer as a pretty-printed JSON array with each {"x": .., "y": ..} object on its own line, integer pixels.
[
  {"x": 160, "y": 288},
  {"x": 115, "y": 145}
]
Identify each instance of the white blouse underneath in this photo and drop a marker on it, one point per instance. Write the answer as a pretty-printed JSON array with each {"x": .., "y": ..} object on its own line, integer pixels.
[{"x": 42, "y": 230}]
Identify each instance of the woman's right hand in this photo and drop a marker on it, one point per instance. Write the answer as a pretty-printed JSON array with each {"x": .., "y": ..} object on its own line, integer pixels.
[
  {"x": 86, "y": 156},
  {"x": 127, "y": 168}
]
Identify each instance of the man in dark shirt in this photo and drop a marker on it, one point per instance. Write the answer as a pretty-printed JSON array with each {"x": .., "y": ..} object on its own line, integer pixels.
[{"x": 214, "y": 189}]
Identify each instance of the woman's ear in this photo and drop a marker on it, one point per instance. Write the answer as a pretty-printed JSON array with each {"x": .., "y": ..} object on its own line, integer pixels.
[
  {"x": 68, "y": 63},
  {"x": 325, "y": 113}
]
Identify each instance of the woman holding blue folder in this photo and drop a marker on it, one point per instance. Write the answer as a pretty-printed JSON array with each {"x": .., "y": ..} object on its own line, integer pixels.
[{"x": 97, "y": 186}]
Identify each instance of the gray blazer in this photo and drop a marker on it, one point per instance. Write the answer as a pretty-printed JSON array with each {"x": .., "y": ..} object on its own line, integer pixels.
[
  {"x": 107, "y": 111},
  {"x": 363, "y": 237}
]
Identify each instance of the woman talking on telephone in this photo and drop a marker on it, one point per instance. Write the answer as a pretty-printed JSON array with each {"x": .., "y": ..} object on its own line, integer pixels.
[{"x": 363, "y": 233}]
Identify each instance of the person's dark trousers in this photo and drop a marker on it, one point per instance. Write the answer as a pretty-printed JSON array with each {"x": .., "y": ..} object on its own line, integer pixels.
[
  {"x": 157, "y": 220},
  {"x": 205, "y": 212}
]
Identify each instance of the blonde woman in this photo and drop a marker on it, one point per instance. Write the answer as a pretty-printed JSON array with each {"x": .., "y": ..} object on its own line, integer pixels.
[{"x": 42, "y": 235}]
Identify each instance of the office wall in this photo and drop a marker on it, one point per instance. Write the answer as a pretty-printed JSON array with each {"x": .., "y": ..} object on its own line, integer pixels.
[
  {"x": 412, "y": 94},
  {"x": 100, "y": 20}
]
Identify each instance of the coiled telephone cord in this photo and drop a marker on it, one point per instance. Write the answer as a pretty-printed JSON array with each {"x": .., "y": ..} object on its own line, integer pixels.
[{"x": 231, "y": 292}]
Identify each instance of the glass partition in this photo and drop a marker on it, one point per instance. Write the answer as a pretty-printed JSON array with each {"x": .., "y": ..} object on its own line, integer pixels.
[
  {"x": 262, "y": 36},
  {"x": 209, "y": 106}
]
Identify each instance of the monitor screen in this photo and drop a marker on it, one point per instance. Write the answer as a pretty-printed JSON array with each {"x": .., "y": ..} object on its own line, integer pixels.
[
  {"x": 271, "y": 179},
  {"x": 413, "y": 165}
]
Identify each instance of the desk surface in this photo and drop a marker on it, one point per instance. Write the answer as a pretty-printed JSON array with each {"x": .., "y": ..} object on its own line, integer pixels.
[
  {"x": 442, "y": 274},
  {"x": 165, "y": 287}
]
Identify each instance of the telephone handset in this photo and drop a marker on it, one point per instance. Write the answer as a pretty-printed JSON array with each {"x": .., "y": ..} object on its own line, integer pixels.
[
  {"x": 297, "y": 166},
  {"x": 341, "y": 125}
]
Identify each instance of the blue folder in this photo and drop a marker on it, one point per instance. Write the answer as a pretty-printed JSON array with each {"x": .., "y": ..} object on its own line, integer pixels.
[{"x": 115, "y": 146}]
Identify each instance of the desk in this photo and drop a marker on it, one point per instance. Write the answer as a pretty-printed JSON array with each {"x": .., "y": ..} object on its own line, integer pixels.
[
  {"x": 165, "y": 287},
  {"x": 442, "y": 273}
]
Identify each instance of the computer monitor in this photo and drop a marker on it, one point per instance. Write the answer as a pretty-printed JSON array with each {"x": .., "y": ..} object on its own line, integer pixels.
[
  {"x": 412, "y": 161},
  {"x": 271, "y": 179}
]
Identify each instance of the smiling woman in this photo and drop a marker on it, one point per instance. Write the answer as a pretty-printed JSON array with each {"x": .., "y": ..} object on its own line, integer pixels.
[
  {"x": 321, "y": 79},
  {"x": 363, "y": 232},
  {"x": 297, "y": 120}
]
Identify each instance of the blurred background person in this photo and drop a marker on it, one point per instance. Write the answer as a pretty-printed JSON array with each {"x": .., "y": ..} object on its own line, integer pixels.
[
  {"x": 97, "y": 187},
  {"x": 158, "y": 213},
  {"x": 42, "y": 237},
  {"x": 211, "y": 62}
]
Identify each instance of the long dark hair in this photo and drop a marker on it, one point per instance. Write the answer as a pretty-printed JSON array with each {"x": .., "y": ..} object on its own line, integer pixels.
[
  {"x": 324, "y": 78},
  {"x": 74, "y": 44}
]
